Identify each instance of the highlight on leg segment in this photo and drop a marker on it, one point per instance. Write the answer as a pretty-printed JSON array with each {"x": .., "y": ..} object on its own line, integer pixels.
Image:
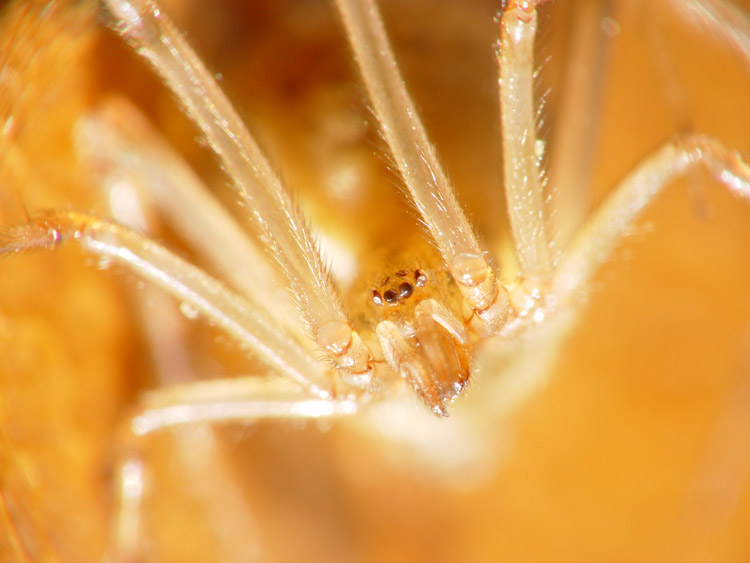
[
  {"x": 243, "y": 401},
  {"x": 597, "y": 237},
  {"x": 249, "y": 323}
]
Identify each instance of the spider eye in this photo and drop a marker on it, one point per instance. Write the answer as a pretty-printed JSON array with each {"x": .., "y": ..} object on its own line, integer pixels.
[
  {"x": 376, "y": 297},
  {"x": 420, "y": 278},
  {"x": 402, "y": 273},
  {"x": 405, "y": 290},
  {"x": 390, "y": 296}
]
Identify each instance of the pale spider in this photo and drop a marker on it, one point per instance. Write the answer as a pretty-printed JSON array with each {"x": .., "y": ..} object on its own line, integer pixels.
[{"x": 533, "y": 304}]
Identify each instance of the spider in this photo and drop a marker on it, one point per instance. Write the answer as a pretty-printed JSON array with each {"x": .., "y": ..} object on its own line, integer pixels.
[{"x": 467, "y": 305}]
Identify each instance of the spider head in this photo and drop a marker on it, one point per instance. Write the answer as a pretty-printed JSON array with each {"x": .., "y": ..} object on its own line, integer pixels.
[{"x": 422, "y": 340}]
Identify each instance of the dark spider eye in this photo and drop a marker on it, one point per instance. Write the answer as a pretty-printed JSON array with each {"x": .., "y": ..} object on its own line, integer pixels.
[
  {"x": 376, "y": 297},
  {"x": 402, "y": 273},
  {"x": 385, "y": 281},
  {"x": 390, "y": 296},
  {"x": 420, "y": 278},
  {"x": 405, "y": 290}
]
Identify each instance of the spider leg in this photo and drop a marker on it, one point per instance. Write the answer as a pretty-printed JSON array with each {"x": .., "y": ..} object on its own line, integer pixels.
[
  {"x": 275, "y": 217},
  {"x": 576, "y": 133},
  {"x": 246, "y": 399},
  {"x": 125, "y": 150},
  {"x": 724, "y": 469},
  {"x": 526, "y": 361},
  {"x": 598, "y": 236},
  {"x": 428, "y": 185},
  {"x": 205, "y": 470},
  {"x": 724, "y": 20},
  {"x": 521, "y": 151},
  {"x": 245, "y": 321},
  {"x": 242, "y": 401}
]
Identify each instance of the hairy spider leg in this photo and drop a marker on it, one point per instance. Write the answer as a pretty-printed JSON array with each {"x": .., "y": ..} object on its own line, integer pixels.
[
  {"x": 597, "y": 237},
  {"x": 216, "y": 402},
  {"x": 279, "y": 223},
  {"x": 427, "y": 184},
  {"x": 244, "y": 320},
  {"x": 120, "y": 145},
  {"x": 204, "y": 468},
  {"x": 521, "y": 153},
  {"x": 551, "y": 315}
]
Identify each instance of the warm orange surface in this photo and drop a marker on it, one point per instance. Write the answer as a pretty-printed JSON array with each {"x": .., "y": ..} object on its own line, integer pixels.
[{"x": 638, "y": 450}]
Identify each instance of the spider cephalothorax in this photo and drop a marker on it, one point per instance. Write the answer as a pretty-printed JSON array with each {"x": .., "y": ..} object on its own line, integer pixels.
[{"x": 415, "y": 313}]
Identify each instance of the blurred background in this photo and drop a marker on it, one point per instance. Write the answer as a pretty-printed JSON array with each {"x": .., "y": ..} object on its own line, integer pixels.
[{"x": 637, "y": 449}]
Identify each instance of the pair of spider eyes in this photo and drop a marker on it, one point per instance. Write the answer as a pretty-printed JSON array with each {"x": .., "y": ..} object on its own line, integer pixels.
[{"x": 403, "y": 291}]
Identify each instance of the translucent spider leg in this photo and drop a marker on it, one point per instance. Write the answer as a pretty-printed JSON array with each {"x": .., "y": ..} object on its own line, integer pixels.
[
  {"x": 203, "y": 403},
  {"x": 597, "y": 237},
  {"x": 724, "y": 470},
  {"x": 125, "y": 149},
  {"x": 527, "y": 347},
  {"x": 724, "y": 20},
  {"x": 417, "y": 160},
  {"x": 276, "y": 218},
  {"x": 203, "y": 463},
  {"x": 521, "y": 152},
  {"x": 576, "y": 134},
  {"x": 203, "y": 466},
  {"x": 244, "y": 321}
]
